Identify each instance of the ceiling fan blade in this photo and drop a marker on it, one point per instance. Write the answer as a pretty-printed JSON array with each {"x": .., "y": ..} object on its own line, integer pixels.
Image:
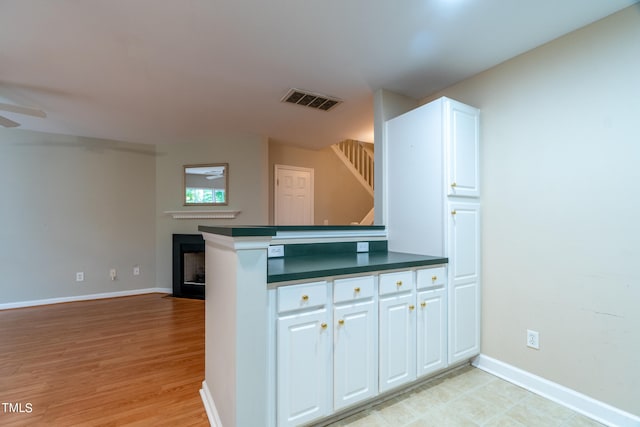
[
  {"x": 22, "y": 110},
  {"x": 8, "y": 123}
]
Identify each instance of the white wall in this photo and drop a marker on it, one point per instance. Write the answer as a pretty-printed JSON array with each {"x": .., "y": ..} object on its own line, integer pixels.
[
  {"x": 386, "y": 105},
  {"x": 561, "y": 224},
  {"x": 70, "y": 204},
  {"x": 248, "y": 188}
]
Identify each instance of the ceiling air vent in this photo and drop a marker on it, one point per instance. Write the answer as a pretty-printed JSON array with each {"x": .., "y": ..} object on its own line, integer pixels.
[{"x": 310, "y": 99}]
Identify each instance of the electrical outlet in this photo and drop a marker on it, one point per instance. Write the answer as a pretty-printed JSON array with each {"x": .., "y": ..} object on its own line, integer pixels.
[
  {"x": 113, "y": 274},
  {"x": 136, "y": 270},
  {"x": 362, "y": 247},
  {"x": 80, "y": 276},
  {"x": 533, "y": 339},
  {"x": 275, "y": 251}
]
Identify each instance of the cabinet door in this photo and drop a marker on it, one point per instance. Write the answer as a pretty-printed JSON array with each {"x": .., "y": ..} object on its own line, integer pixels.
[
  {"x": 462, "y": 147},
  {"x": 355, "y": 360},
  {"x": 397, "y": 340},
  {"x": 303, "y": 367},
  {"x": 431, "y": 329},
  {"x": 464, "y": 280}
]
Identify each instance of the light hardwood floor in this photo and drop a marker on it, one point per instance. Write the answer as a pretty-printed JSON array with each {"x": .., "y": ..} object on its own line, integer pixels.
[{"x": 125, "y": 361}]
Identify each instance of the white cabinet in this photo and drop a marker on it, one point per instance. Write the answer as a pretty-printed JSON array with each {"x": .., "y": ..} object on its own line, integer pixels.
[
  {"x": 432, "y": 169},
  {"x": 431, "y": 321},
  {"x": 304, "y": 362},
  {"x": 461, "y": 140},
  {"x": 397, "y": 330},
  {"x": 464, "y": 280},
  {"x": 355, "y": 351},
  {"x": 432, "y": 154},
  {"x": 342, "y": 343}
]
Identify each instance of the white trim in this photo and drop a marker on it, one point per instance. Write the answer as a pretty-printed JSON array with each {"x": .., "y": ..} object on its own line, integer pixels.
[
  {"x": 209, "y": 406},
  {"x": 33, "y": 303},
  {"x": 353, "y": 169},
  {"x": 238, "y": 242},
  {"x": 592, "y": 408},
  {"x": 285, "y": 241},
  {"x": 368, "y": 218},
  {"x": 271, "y": 359},
  {"x": 329, "y": 234},
  {"x": 203, "y": 214}
]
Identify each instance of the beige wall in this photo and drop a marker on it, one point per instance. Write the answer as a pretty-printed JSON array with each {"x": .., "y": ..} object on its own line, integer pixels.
[
  {"x": 560, "y": 160},
  {"x": 71, "y": 204},
  {"x": 248, "y": 192},
  {"x": 339, "y": 197}
]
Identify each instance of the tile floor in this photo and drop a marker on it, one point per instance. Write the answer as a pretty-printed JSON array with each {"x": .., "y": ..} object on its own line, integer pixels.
[{"x": 468, "y": 397}]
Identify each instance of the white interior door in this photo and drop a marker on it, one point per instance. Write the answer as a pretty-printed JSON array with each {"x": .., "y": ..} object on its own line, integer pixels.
[{"x": 293, "y": 195}]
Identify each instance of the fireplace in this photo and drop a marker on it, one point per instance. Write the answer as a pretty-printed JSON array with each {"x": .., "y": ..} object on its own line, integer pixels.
[{"x": 188, "y": 266}]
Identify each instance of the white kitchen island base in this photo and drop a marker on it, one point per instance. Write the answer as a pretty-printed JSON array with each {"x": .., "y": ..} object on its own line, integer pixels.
[{"x": 322, "y": 332}]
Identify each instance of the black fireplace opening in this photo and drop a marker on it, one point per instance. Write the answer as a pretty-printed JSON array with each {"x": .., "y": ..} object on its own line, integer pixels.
[{"x": 188, "y": 266}]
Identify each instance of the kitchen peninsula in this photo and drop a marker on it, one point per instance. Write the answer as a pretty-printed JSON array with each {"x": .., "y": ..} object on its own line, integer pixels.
[{"x": 305, "y": 322}]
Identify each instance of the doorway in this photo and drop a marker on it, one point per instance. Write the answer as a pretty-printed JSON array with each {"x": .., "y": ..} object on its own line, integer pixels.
[{"x": 293, "y": 203}]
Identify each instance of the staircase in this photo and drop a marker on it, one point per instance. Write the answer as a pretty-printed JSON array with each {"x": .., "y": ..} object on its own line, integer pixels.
[{"x": 358, "y": 158}]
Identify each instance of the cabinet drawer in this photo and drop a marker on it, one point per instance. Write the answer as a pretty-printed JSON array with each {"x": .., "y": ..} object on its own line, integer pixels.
[
  {"x": 296, "y": 297},
  {"x": 396, "y": 282},
  {"x": 353, "y": 288},
  {"x": 431, "y": 278}
]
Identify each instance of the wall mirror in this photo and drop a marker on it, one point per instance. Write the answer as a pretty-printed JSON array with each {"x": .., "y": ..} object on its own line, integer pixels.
[{"x": 206, "y": 185}]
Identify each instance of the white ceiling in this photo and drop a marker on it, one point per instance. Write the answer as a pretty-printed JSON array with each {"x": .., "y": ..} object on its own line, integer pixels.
[{"x": 167, "y": 71}]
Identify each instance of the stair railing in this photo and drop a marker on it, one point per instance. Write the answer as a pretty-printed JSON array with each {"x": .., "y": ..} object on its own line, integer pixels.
[{"x": 358, "y": 158}]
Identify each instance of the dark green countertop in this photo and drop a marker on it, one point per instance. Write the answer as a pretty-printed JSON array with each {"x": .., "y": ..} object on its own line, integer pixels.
[
  {"x": 322, "y": 260},
  {"x": 315, "y": 266},
  {"x": 271, "y": 230},
  {"x": 244, "y": 231}
]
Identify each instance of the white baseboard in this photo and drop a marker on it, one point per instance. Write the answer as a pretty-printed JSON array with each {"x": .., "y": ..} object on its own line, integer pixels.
[
  {"x": 592, "y": 408},
  {"x": 210, "y": 406},
  {"x": 33, "y": 303}
]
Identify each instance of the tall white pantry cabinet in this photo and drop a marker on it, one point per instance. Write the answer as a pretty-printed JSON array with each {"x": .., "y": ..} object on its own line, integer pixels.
[{"x": 432, "y": 207}]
